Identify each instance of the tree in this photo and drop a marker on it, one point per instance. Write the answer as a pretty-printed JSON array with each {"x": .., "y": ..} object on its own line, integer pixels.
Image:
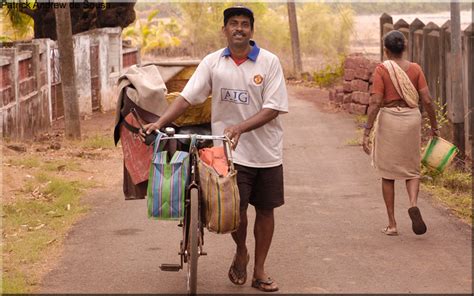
[
  {"x": 295, "y": 39},
  {"x": 67, "y": 70}
]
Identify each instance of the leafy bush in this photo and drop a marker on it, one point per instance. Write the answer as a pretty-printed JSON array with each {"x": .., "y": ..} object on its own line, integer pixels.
[{"x": 330, "y": 74}]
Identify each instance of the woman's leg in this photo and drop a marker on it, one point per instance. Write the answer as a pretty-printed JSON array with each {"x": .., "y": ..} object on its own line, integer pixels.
[
  {"x": 388, "y": 191},
  {"x": 418, "y": 225},
  {"x": 413, "y": 187}
]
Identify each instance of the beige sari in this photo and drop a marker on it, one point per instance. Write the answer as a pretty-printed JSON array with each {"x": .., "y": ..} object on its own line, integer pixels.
[{"x": 397, "y": 132}]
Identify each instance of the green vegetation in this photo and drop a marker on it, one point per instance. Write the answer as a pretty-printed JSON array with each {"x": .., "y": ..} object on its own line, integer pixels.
[
  {"x": 27, "y": 162},
  {"x": 194, "y": 27},
  {"x": 16, "y": 25},
  {"x": 152, "y": 33},
  {"x": 410, "y": 7},
  {"x": 31, "y": 226},
  {"x": 330, "y": 74},
  {"x": 98, "y": 142},
  {"x": 453, "y": 188}
]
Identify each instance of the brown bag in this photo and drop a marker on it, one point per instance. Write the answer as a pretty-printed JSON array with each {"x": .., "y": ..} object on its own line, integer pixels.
[{"x": 221, "y": 198}]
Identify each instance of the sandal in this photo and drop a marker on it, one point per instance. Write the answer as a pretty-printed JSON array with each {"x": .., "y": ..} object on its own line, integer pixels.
[
  {"x": 264, "y": 285},
  {"x": 237, "y": 276},
  {"x": 418, "y": 226},
  {"x": 391, "y": 232}
]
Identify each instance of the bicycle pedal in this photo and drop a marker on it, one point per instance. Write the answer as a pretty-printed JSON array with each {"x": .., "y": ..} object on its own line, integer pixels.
[
  {"x": 170, "y": 267},
  {"x": 203, "y": 253}
]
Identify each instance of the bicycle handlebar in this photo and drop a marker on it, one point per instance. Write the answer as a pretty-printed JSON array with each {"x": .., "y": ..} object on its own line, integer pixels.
[
  {"x": 227, "y": 142},
  {"x": 198, "y": 137}
]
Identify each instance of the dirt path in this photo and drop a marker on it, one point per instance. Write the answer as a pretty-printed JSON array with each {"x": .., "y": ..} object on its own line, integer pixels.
[{"x": 327, "y": 237}]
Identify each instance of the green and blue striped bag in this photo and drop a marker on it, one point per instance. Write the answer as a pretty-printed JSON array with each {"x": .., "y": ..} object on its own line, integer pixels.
[{"x": 167, "y": 183}]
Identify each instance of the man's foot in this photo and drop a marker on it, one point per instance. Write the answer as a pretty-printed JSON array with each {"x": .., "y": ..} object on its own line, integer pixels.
[
  {"x": 238, "y": 275},
  {"x": 266, "y": 285},
  {"x": 390, "y": 231},
  {"x": 417, "y": 224}
]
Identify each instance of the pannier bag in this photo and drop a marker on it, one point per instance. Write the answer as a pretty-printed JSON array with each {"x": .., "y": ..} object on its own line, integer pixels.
[
  {"x": 167, "y": 183},
  {"x": 220, "y": 193}
]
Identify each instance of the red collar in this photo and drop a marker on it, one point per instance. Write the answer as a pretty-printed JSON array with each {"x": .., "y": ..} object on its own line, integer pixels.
[{"x": 238, "y": 61}]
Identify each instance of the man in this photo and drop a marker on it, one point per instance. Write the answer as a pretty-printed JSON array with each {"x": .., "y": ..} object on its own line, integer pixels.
[{"x": 248, "y": 93}]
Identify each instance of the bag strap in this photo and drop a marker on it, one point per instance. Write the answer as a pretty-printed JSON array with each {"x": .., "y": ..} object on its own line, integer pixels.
[
  {"x": 193, "y": 142},
  {"x": 159, "y": 145},
  {"x": 228, "y": 155},
  {"x": 130, "y": 127}
]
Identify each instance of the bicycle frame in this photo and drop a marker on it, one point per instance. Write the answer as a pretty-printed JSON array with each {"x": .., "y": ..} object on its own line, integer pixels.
[{"x": 191, "y": 246}]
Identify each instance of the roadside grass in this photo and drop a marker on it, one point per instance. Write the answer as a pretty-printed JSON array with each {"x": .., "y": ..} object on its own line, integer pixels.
[
  {"x": 360, "y": 119},
  {"x": 27, "y": 162},
  {"x": 32, "y": 224},
  {"x": 98, "y": 142},
  {"x": 357, "y": 140},
  {"x": 453, "y": 188},
  {"x": 61, "y": 165}
]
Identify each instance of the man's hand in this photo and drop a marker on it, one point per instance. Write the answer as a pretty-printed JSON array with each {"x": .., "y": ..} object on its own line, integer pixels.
[
  {"x": 233, "y": 133},
  {"x": 366, "y": 145},
  {"x": 148, "y": 129}
]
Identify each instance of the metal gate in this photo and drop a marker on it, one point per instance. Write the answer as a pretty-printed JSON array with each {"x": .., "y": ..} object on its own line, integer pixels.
[
  {"x": 95, "y": 81},
  {"x": 56, "y": 86}
]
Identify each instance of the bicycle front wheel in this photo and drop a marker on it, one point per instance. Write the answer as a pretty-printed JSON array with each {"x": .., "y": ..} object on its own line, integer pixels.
[{"x": 193, "y": 244}]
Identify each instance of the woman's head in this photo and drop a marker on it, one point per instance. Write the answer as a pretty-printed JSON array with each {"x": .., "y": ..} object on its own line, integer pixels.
[{"x": 394, "y": 41}]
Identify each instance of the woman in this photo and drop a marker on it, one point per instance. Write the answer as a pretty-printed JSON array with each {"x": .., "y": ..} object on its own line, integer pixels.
[{"x": 396, "y": 121}]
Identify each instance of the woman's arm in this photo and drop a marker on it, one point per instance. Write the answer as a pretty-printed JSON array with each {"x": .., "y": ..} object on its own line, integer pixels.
[
  {"x": 430, "y": 109},
  {"x": 376, "y": 103}
]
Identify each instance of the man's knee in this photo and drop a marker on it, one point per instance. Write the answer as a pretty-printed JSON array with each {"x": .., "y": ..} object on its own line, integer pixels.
[{"x": 265, "y": 213}]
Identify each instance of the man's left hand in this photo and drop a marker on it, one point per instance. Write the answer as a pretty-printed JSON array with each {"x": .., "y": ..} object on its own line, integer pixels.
[{"x": 233, "y": 133}]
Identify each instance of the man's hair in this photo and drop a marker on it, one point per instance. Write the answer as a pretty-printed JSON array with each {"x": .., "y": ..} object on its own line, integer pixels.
[{"x": 238, "y": 10}]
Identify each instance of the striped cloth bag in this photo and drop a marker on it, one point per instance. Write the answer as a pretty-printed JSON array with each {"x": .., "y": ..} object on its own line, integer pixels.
[
  {"x": 220, "y": 196},
  {"x": 167, "y": 183}
]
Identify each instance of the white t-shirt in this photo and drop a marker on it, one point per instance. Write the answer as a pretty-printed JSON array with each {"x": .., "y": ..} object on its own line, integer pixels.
[{"x": 238, "y": 93}]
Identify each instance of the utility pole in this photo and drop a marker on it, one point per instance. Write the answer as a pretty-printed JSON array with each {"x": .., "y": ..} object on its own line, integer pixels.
[
  {"x": 295, "y": 40},
  {"x": 72, "y": 121},
  {"x": 456, "y": 79}
]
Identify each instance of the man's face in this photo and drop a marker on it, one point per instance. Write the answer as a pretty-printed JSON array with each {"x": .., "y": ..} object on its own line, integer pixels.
[{"x": 238, "y": 31}]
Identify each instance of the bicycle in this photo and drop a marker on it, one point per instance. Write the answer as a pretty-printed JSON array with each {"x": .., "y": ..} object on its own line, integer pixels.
[{"x": 191, "y": 245}]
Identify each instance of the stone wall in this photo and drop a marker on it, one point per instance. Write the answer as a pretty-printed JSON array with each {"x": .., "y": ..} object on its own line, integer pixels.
[{"x": 354, "y": 94}]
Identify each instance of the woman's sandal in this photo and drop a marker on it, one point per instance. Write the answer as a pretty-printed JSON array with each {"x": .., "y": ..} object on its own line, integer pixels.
[
  {"x": 388, "y": 231},
  {"x": 237, "y": 276},
  {"x": 417, "y": 224},
  {"x": 264, "y": 285}
]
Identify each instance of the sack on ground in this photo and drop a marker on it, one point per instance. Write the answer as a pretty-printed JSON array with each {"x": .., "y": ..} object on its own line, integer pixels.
[
  {"x": 220, "y": 196},
  {"x": 167, "y": 183}
]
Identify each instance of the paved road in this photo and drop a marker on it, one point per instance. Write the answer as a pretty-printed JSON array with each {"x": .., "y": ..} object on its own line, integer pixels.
[{"x": 327, "y": 237}]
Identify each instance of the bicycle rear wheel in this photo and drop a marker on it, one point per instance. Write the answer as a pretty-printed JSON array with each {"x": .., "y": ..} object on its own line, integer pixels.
[{"x": 193, "y": 243}]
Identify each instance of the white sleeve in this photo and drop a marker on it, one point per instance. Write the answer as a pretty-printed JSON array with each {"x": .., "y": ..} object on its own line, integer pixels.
[
  {"x": 199, "y": 85},
  {"x": 274, "y": 94}
]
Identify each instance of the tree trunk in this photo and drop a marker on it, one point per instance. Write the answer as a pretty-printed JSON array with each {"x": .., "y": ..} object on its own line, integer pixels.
[
  {"x": 295, "y": 40},
  {"x": 67, "y": 71},
  {"x": 456, "y": 78}
]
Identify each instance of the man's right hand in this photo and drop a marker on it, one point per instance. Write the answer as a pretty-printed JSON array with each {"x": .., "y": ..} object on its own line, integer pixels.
[{"x": 148, "y": 129}]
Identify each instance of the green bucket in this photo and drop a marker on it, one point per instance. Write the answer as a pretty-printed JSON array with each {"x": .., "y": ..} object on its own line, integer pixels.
[{"x": 438, "y": 154}]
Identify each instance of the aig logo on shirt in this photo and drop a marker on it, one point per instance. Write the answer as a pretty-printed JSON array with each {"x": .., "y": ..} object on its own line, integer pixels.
[{"x": 236, "y": 96}]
